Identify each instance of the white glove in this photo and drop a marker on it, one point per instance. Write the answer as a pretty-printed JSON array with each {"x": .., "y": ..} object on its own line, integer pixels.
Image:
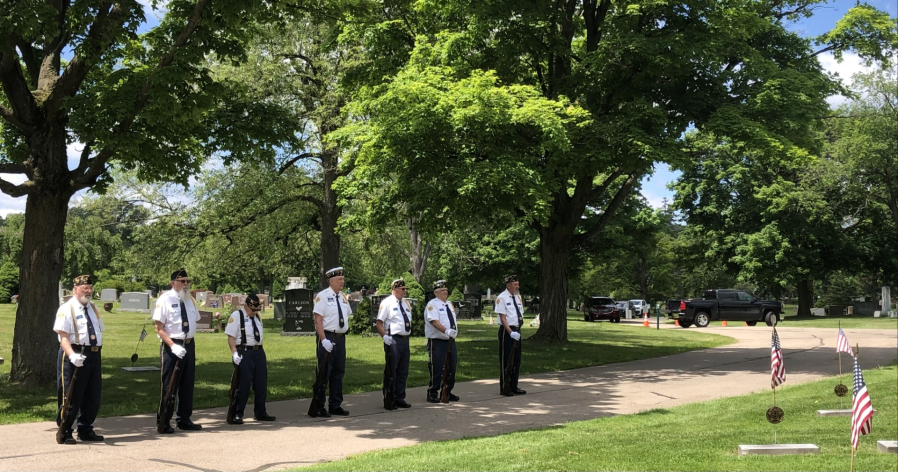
[
  {"x": 516, "y": 335},
  {"x": 178, "y": 350},
  {"x": 388, "y": 340},
  {"x": 77, "y": 359},
  {"x": 236, "y": 357},
  {"x": 327, "y": 345},
  {"x": 451, "y": 333}
]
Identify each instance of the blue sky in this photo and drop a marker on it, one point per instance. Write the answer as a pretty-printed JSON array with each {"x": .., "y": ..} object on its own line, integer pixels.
[{"x": 654, "y": 187}]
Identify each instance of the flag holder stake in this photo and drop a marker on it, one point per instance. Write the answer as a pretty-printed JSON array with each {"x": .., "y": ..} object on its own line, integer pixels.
[{"x": 134, "y": 356}]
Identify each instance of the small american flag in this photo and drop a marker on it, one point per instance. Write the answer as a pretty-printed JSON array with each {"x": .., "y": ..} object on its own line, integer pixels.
[
  {"x": 143, "y": 334},
  {"x": 777, "y": 368},
  {"x": 862, "y": 410},
  {"x": 842, "y": 344}
]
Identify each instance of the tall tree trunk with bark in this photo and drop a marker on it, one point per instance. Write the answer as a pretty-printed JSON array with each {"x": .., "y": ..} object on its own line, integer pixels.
[
  {"x": 419, "y": 253},
  {"x": 34, "y": 343},
  {"x": 330, "y": 213},
  {"x": 555, "y": 254},
  {"x": 805, "y": 297}
]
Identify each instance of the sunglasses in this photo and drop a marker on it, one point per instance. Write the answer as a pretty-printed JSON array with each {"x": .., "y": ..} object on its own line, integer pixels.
[{"x": 183, "y": 281}]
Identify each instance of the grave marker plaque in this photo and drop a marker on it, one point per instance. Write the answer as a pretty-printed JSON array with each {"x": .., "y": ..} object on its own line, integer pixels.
[
  {"x": 298, "y": 311},
  {"x": 375, "y": 307},
  {"x": 475, "y": 307},
  {"x": 205, "y": 321},
  {"x": 279, "y": 310},
  {"x": 135, "y": 301}
]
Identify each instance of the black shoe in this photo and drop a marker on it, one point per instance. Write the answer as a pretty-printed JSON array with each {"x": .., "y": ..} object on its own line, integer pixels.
[
  {"x": 390, "y": 407},
  {"x": 189, "y": 426},
  {"x": 339, "y": 411},
  {"x": 264, "y": 417},
  {"x": 65, "y": 438},
  {"x": 402, "y": 404},
  {"x": 322, "y": 413},
  {"x": 236, "y": 420},
  {"x": 89, "y": 435},
  {"x": 453, "y": 397},
  {"x": 518, "y": 391},
  {"x": 165, "y": 429},
  {"x": 432, "y": 399}
]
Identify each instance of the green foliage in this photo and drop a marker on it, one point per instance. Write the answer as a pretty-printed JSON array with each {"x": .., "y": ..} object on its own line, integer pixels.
[
  {"x": 456, "y": 295},
  {"x": 9, "y": 281},
  {"x": 360, "y": 323}
]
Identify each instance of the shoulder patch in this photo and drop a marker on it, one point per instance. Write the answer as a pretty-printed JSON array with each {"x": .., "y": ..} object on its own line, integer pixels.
[
  {"x": 60, "y": 315},
  {"x": 232, "y": 320},
  {"x": 318, "y": 299},
  {"x": 430, "y": 308}
]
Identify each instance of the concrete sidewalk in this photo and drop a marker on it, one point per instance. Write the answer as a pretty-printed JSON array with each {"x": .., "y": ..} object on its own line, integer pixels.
[{"x": 553, "y": 398}]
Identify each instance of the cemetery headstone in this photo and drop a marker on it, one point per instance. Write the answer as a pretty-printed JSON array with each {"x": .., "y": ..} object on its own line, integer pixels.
[
  {"x": 375, "y": 306},
  {"x": 205, "y": 322},
  {"x": 149, "y": 293},
  {"x": 476, "y": 308},
  {"x": 135, "y": 301},
  {"x": 279, "y": 310},
  {"x": 214, "y": 301},
  {"x": 108, "y": 295},
  {"x": 298, "y": 311},
  {"x": 264, "y": 299},
  {"x": 201, "y": 297}
]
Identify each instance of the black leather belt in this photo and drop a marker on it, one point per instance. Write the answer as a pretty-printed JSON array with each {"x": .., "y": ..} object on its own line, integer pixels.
[
  {"x": 253, "y": 348},
  {"x": 182, "y": 341},
  {"x": 334, "y": 333},
  {"x": 515, "y": 328},
  {"x": 88, "y": 348},
  {"x": 400, "y": 336}
]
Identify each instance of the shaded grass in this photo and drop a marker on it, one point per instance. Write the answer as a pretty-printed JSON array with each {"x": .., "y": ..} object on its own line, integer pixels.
[
  {"x": 291, "y": 361},
  {"x": 698, "y": 436}
]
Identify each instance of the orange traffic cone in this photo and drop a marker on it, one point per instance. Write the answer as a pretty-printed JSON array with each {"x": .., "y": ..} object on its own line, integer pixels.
[
  {"x": 724, "y": 323},
  {"x": 746, "y": 323},
  {"x": 676, "y": 322},
  {"x": 645, "y": 320}
]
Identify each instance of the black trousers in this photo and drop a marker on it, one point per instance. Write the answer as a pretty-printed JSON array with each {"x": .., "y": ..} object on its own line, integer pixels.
[
  {"x": 505, "y": 345},
  {"x": 336, "y": 369},
  {"x": 400, "y": 357},
  {"x": 184, "y": 389},
  {"x": 436, "y": 350},
  {"x": 253, "y": 373},
  {"x": 85, "y": 392}
]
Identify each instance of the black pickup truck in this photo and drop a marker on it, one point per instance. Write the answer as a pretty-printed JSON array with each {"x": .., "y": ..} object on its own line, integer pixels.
[{"x": 729, "y": 305}]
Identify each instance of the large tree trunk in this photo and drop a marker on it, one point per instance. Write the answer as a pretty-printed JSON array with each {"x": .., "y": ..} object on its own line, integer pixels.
[
  {"x": 34, "y": 343},
  {"x": 555, "y": 253},
  {"x": 330, "y": 214},
  {"x": 420, "y": 252},
  {"x": 805, "y": 297}
]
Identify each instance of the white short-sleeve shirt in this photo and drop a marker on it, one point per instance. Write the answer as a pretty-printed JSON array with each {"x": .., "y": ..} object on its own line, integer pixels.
[
  {"x": 233, "y": 328},
  {"x": 391, "y": 316},
  {"x": 70, "y": 318},
  {"x": 505, "y": 305},
  {"x": 438, "y": 310},
  {"x": 326, "y": 302},
  {"x": 168, "y": 311}
]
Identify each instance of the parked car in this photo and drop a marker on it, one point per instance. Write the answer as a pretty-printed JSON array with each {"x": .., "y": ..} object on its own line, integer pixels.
[
  {"x": 622, "y": 307},
  {"x": 600, "y": 308},
  {"x": 639, "y": 307},
  {"x": 729, "y": 305},
  {"x": 672, "y": 307}
]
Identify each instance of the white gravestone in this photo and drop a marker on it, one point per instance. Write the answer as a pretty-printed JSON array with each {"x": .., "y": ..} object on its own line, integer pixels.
[
  {"x": 135, "y": 301},
  {"x": 108, "y": 295}
]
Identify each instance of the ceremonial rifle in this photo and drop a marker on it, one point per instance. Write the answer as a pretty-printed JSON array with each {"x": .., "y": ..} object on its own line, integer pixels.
[
  {"x": 318, "y": 402},
  {"x": 444, "y": 389},
  {"x": 66, "y": 405},
  {"x": 388, "y": 377},
  {"x": 509, "y": 368},
  {"x": 232, "y": 393},
  {"x": 168, "y": 401}
]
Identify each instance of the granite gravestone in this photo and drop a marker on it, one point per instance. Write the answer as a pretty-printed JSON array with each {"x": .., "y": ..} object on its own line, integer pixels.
[
  {"x": 475, "y": 307},
  {"x": 298, "y": 311},
  {"x": 135, "y": 301},
  {"x": 109, "y": 295},
  {"x": 375, "y": 307},
  {"x": 205, "y": 322},
  {"x": 279, "y": 310}
]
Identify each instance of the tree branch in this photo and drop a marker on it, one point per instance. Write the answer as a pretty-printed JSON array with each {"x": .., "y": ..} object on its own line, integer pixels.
[
  {"x": 293, "y": 160},
  {"x": 15, "y": 190},
  {"x": 17, "y": 91}
]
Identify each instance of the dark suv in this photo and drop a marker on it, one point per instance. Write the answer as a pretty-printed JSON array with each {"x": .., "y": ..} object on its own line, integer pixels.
[{"x": 600, "y": 308}]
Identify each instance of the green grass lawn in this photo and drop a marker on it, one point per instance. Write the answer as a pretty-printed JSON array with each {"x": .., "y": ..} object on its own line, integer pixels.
[
  {"x": 698, "y": 436},
  {"x": 291, "y": 363}
]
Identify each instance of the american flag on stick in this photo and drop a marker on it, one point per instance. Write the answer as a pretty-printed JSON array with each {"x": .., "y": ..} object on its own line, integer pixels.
[
  {"x": 862, "y": 410},
  {"x": 143, "y": 334},
  {"x": 777, "y": 368},
  {"x": 842, "y": 344}
]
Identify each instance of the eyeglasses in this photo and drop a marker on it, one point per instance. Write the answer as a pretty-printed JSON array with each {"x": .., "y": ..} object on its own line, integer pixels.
[{"x": 183, "y": 281}]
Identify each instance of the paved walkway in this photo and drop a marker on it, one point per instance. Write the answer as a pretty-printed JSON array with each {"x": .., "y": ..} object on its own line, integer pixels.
[{"x": 553, "y": 398}]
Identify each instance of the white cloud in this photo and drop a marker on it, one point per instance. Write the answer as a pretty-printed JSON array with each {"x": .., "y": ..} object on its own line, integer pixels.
[{"x": 851, "y": 64}]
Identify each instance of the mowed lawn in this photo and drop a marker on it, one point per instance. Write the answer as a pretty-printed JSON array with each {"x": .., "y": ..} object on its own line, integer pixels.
[
  {"x": 699, "y": 436},
  {"x": 291, "y": 361}
]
